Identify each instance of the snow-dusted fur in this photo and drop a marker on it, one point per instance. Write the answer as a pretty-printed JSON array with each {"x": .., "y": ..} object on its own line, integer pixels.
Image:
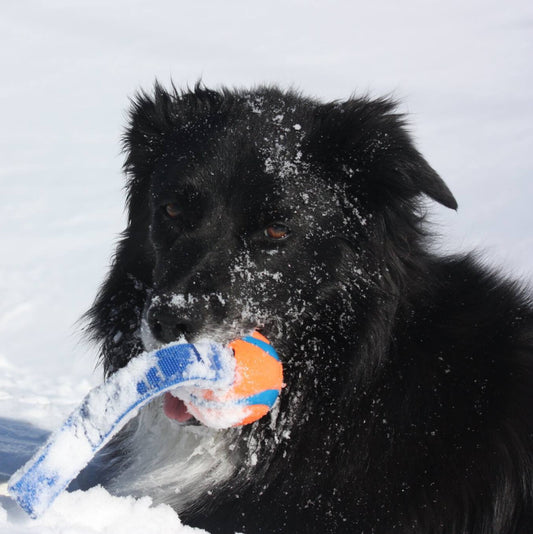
[
  {"x": 173, "y": 463},
  {"x": 409, "y": 397}
]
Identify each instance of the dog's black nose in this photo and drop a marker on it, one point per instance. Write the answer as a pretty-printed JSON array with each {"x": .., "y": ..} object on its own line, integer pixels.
[{"x": 167, "y": 326}]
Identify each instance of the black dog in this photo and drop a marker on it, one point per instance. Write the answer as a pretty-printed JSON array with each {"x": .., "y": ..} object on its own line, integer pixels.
[{"x": 409, "y": 397}]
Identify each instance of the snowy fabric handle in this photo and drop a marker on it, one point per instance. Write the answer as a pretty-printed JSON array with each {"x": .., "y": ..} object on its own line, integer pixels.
[{"x": 107, "y": 408}]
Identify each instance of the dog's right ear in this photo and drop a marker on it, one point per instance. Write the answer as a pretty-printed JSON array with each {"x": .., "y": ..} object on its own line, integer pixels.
[
  {"x": 151, "y": 118},
  {"x": 168, "y": 122}
]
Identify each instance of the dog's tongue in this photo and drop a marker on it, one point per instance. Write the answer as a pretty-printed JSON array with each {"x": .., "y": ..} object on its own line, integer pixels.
[{"x": 175, "y": 408}]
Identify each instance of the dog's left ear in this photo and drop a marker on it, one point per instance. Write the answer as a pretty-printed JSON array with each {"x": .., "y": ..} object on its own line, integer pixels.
[{"x": 367, "y": 142}]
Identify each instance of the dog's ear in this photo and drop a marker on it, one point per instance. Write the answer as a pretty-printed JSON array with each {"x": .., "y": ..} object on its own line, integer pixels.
[
  {"x": 367, "y": 142},
  {"x": 151, "y": 118},
  {"x": 166, "y": 122}
]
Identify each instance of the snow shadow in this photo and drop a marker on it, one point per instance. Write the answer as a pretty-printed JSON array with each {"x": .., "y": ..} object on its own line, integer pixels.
[{"x": 18, "y": 441}]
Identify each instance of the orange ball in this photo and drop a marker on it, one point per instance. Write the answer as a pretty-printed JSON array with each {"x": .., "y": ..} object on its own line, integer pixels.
[{"x": 257, "y": 384}]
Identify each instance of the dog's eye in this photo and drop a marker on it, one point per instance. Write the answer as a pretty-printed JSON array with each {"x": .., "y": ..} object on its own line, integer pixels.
[
  {"x": 277, "y": 231},
  {"x": 172, "y": 210}
]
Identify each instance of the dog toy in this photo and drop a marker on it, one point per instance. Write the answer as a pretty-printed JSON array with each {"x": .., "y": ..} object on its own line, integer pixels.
[
  {"x": 217, "y": 382},
  {"x": 256, "y": 386}
]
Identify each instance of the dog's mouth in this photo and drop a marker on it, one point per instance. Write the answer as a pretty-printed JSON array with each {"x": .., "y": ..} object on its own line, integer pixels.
[{"x": 175, "y": 409}]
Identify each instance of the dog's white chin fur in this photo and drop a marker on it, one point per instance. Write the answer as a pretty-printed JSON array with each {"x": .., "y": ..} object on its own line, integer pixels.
[{"x": 174, "y": 464}]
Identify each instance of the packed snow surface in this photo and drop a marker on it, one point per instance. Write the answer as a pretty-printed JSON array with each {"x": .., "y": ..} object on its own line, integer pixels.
[
  {"x": 462, "y": 70},
  {"x": 94, "y": 512}
]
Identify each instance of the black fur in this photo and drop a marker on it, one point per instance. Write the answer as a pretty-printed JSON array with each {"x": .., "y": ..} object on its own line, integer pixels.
[{"x": 409, "y": 397}]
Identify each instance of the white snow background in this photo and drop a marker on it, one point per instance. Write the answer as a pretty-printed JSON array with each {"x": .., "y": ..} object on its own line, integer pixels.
[{"x": 462, "y": 69}]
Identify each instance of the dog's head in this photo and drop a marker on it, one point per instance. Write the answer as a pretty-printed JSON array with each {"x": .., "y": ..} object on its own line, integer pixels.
[{"x": 259, "y": 210}]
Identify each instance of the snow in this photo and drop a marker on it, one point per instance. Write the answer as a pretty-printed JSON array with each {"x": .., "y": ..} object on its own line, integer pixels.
[
  {"x": 74, "y": 513},
  {"x": 461, "y": 69}
]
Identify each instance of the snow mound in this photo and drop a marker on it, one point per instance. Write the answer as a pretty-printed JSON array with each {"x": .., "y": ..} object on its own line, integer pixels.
[{"x": 94, "y": 512}]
